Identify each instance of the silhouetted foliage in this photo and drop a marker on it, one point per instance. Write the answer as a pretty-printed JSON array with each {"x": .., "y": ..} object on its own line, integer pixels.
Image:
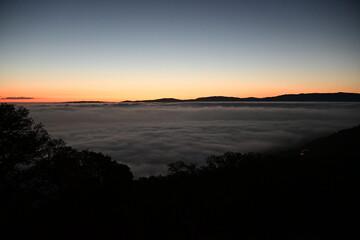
[
  {"x": 49, "y": 190},
  {"x": 180, "y": 167},
  {"x": 22, "y": 141},
  {"x": 40, "y": 174}
]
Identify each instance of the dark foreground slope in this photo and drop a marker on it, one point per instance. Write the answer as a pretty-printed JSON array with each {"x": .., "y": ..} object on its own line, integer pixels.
[{"x": 51, "y": 191}]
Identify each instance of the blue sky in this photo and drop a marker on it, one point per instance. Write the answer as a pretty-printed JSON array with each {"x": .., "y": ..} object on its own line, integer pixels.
[{"x": 71, "y": 49}]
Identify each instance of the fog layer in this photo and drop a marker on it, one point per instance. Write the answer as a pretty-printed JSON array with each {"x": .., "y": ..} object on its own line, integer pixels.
[{"x": 149, "y": 136}]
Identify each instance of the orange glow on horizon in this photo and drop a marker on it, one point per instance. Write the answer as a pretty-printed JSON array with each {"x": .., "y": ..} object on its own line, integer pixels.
[
  {"x": 50, "y": 87},
  {"x": 154, "y": 96}
]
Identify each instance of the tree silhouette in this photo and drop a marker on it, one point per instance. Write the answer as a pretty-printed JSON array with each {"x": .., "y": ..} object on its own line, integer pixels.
[
  {"x": 40, "y": 176},
  {"x": 22, "y": 142},
  {"x": 180, "y": 168},
  {"x": 49, "y": 190}
]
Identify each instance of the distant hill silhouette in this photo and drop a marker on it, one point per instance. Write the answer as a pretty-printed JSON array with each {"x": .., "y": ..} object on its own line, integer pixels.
[
  {"x": 85, "y": 102},
  {"x": 342, "y": 144},
  {"x": 303, "y": 97},
  {"x": 159, "y": 100},
  {"x": 326, "y": 97}
]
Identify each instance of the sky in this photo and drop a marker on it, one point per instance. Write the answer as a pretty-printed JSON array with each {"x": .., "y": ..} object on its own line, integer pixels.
[{"x": 131, "y": 50}]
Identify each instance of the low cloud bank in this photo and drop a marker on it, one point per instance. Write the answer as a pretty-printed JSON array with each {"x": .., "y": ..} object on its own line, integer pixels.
[
  {"x": 13, "y": 98},
  {"x": 149, "y": 136}
]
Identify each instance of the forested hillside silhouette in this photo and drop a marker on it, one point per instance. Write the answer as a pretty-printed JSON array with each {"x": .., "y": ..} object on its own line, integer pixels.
[
  {"x": 303, "y": 97},
  {"x": 49, "y": 190}
]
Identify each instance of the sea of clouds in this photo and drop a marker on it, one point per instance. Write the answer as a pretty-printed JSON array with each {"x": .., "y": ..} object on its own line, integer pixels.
[{"x": 148, "y": 136}]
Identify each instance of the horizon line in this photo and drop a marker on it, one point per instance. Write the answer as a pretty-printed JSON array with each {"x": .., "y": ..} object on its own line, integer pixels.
[{"x": 51, "y": 100}]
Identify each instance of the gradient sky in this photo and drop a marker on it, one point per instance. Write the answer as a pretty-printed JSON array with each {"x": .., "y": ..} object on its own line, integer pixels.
[{"x": 118, "y": 50}]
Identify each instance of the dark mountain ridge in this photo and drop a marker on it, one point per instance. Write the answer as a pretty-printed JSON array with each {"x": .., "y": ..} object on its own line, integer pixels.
[
  {"x": 303, "y": 97},
  {"x": 85, "y": 102}
]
